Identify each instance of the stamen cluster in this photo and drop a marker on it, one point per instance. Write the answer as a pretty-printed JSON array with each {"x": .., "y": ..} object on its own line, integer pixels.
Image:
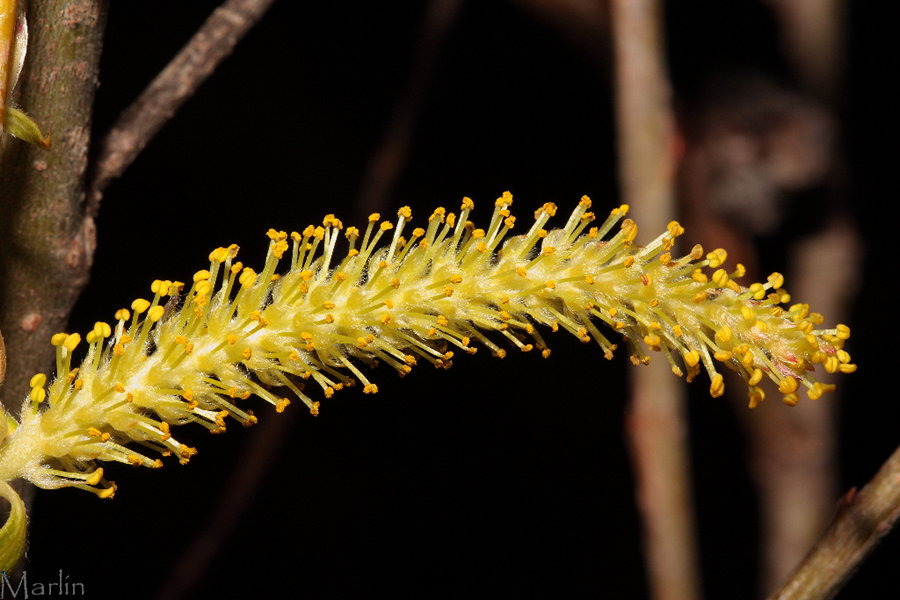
[{"x": 188, "y": 357}]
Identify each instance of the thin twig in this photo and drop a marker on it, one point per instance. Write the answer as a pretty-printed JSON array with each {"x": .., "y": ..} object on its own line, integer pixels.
[
  {"x": 167, "y": 92},
  {"x": 657, "y": 426},
  {"x": 237, "y": 496},
  {"x": 862, "y": 520},
  {"x": 797, "y": 473},
  {"x": 391, "y": 155}
]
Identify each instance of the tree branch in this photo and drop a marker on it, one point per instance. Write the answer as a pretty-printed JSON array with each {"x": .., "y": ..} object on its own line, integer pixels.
[
  {"x": 656, "y": 423},
  {"x": 47, "y": 244},
  {"x": 137, "y": 125},
  {"x": 389, "y": 158},
  {"x": 862, "y": 520}
]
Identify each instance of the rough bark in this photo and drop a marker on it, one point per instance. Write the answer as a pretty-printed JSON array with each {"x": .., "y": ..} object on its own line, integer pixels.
[
  {"x": 46, "y": 244},
  {"x": 862, "y": 520}
]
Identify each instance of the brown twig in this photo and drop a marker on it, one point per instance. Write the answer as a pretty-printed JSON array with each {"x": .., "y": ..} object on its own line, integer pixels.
[
  {"x": 238, "y": 494},
  {"x": 796, "y": 471},
  {"x": 794, "y": 450},
  {"x": 47, "y": 244},
  {"x": 656, "y": 422},
  {"x": 167, "y": 92},
  {"x": 388, "y": 159},
  {"x": 862, "y": 520}
]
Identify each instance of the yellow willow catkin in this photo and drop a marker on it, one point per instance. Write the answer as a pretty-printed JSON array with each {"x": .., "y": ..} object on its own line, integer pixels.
[{"x": 447, "y": 288}]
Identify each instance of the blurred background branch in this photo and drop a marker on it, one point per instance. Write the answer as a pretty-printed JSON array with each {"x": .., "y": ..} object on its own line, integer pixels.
[{"x": 657, "y": 424}]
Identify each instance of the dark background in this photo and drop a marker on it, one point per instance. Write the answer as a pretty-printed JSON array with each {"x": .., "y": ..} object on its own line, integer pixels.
[{"x": 508, "y": 478}]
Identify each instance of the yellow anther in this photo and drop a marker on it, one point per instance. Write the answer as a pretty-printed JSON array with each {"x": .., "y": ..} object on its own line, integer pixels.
[
  {"x": 788, "y": 385},
  {"x": 696, "y": 252},
  {"x": 550, "y": 285},
  {"x": 202, "y": 275},
  {"x": 791, "y": 399},
  {"x": 755, "y": 377},
  {"x": 747, "y": 313},
  {"x": 816, "y": 391},
  {"x": 843, "y": 332},
  {"x": 847, "y": 368},
  {"x": 218, "y": 255},
  {"x": 758, "y": 291},
  {"x": 71, "y": 341},
  {"x": 717, "y": 257},
  {"x": 281, "y": 405},
  {"x": 386, "y": 226},
  {"x": 247, "y": 353},
  {"x": 629, "y": 260},
  {"x": 203, "y": 288},
  {"x": 723, "y": 355},
  {"x": 723, "y": 335},
  {"x": 279, "y": 248},
  {"x": 652, "y": 340},
  {"x": 776, "y": 280},
  {"x": 370, "y": 388},
  {"x": 102, "y": 330},
  {"x": 156, "y": 313},
  {"x": 720, "y": 277},
  {"x": 248, "y": 277},
  {"x": 160, "y": 287},
  {"x": 699, "y": 276},
  {"x": 691, "y": 358},
  {"x": 405, "y": 212},
  {"x": 717, "y": 386},
  {"x": 756, "y": 397},
  {"x": 37, "y": 380},
  {"x": 140, "y": 306},
  {"x": 674, "y": 228}
]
